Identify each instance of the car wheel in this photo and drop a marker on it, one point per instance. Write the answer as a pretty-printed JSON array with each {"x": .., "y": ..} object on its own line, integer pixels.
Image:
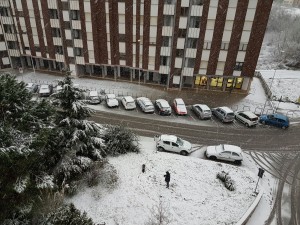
[
  {"x": 238, "y": 162},
  {"x": 283, "y": 127},
  {"x": 247, "y": 125},
  {"x": 263, "y": 122},
  {"x": 185, "y": 153},
  {"x": 161, "y": 149},
  {"x": 213, "y": 157}
]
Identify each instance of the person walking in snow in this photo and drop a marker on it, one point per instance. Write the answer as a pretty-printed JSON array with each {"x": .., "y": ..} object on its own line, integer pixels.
[{"x": 167, "y": 178}]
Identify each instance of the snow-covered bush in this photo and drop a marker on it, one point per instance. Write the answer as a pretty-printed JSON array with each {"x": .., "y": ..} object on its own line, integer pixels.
[
  {"x": 119, "y": 140},
  {"x": 66, "y": 214},
  {"x": 228, "y": 182}
]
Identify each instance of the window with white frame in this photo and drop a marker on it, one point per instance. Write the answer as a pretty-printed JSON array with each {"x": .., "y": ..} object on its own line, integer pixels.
[
  {"x": 195, "y": 21},
  {"x": 168, "y": 20}
]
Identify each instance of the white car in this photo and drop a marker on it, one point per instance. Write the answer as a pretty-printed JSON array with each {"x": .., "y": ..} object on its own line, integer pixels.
[
  {"x": 111, "y": 100},
  {"x": 172, "y": 143},
  {"x": 45, "y": 90},
  {"x": 225, "y": 152},
  {"x": 179, "y": 106},
  {"x": 128, "y": 102},
  {"x": 202, "y": 111},
  {"x": 246, "y": 117},
  {"x": 93, "y": 98},
  {"x": 145, "y": 104},
  {"x": 31, "y": 87}
]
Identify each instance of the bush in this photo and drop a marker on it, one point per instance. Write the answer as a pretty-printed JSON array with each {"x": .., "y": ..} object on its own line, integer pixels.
[
  {"x": 120, "y": 140},
  {"x": 228, "y": 182}
]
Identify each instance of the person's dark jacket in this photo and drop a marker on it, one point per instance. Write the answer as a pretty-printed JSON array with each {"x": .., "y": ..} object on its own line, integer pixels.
[{"x": 167, "y": 177}]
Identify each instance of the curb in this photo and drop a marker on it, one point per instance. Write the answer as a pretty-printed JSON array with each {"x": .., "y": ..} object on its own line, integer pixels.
[{"x": 248, "y": 213}]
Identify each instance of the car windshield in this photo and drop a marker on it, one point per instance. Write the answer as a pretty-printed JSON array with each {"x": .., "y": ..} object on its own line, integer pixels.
[
  {"x": 230, "y": 114},
  {"x": 179, "y": 141}
]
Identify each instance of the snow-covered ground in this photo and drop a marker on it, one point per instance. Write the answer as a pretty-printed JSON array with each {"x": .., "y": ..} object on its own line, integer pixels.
[{"x": 195, "y": 196}]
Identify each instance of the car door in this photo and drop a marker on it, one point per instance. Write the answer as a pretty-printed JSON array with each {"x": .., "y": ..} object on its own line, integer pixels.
[
  {"x": 175, "y": 147},
  {"x": 200, "y": 112},
  {"x": 235, "y": 156},
  {"x": 167, "y": 145},
  {"x": 226, "y": 155}
]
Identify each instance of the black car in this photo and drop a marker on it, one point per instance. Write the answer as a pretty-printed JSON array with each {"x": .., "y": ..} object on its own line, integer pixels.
[{"x": 162, "y": 107}]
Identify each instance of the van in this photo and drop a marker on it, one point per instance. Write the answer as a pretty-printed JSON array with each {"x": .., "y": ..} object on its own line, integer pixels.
[
  {"x": 225, "y": 114},
  {"x": 277, "y": 120}
]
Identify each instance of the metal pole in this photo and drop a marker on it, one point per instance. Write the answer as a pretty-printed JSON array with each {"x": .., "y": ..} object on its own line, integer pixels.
[
  {"x": 32, "y": 64},
  {"x": 256, "y": 185}
]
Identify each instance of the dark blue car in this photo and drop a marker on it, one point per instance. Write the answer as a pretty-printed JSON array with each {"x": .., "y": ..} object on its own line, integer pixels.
[{"x": 277, "y": 120}]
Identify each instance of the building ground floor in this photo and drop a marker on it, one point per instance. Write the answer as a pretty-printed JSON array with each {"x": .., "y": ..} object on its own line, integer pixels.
[{"x": 123, "y": 73}]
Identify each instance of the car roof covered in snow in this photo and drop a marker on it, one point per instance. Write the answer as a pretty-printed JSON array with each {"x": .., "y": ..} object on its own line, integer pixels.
[
  {"x": 166, "y": 137},
  {"x": 179, "y": 101},
  {"x": 93, "y": 93},
  {"x": 163, "y": 102}
]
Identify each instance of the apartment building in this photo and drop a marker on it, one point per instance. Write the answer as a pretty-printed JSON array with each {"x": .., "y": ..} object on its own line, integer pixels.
[{"x": 208, "y": 44}]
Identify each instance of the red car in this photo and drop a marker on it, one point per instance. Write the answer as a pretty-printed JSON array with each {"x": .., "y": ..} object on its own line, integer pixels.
[{"x": 179, "y": 107}]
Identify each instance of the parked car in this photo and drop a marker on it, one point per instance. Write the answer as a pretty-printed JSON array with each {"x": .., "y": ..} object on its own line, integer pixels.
[
  {"x": 163, "y": 107},
  {"x": 202, "y": 111},
  {"x": 224, "y": 114},
  {"x": 128, "y": 102},
  {"x": 179, "y": 106},
  {"x": 31, "y": 87},
  {"x": 277, "y": 120},
  {"x": 225, "y": 152},
  {"x": 111, "y": 100},
  {"x": 45, "y": 90},
  {"x": 246, "y": 117},
  {"x": 93, "y": 98},
  {"x": 145, "y": 104},
  {"x": 172, "y": 143}
]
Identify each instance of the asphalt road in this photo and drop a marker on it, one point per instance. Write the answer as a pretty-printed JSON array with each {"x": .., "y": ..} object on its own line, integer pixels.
[{"x": 275, "y": 150}]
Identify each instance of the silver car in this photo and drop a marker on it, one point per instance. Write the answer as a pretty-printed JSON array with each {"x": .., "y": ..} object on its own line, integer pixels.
[
  {"x": 246, "y": 117},
  {"x": 145, "y": 104},
  {"x": 202, "y": 111},
  {"x": 225, "y": 152},
  {"x": 225, "y": 114}
]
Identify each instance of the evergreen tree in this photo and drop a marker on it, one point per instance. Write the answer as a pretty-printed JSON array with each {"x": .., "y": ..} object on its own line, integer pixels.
[{"x": 78, "y": 139}]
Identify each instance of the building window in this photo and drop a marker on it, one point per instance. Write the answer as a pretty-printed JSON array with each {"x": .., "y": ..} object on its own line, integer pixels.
[
  {"x": 197, "y": 2},
  {"x": 170, "y": 2},
  {"x": 53, "y": 14},
  {"x": 179, "y": 52},
  {"x": 56, "y": 32},
  {"x": 224, "y": 46},
  {"x": 59, "y": 50},
  {"x": 12, "y": 45},
  {"x": 168, "y": 20},
  {"x": 164, "y": 60},
  {"x": 182, "y": 33},
  {"x": 122, "y": 56},
  {"x": 195, "y": 21},
  {"x": 166, "y": 41},
  {"x": 190, "y": 62},
  {"x": 207, "y": 45},
  {"x": 184, "y": 11},
  {"x": 78, "y": 51},
  {"x": 122, "y": 37},
  {"x": 239, "y": 66},
  {"x": 76, "y": 34},
  {"x": 75, "y": 15},
  {"x": 4, "y": 11},
  {"x": 243, "y": 47},
  {"x": 192, "y": 42},
  {"x": 8, "y": 28}
]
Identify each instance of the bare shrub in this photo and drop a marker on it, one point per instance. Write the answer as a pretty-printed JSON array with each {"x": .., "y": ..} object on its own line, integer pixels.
[{"x": 160, "y": 215}]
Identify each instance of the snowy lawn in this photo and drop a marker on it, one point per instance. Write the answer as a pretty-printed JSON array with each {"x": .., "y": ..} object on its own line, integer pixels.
[{"x": 195, "y": 196}]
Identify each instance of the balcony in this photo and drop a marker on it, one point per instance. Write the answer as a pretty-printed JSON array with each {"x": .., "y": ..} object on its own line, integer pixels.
[
  {"x": 78, "y": 43},
  {"x": 74, "y": 5},
  {"x": 188, "y": 71},
  {"x": 59, "y": 57},
  {"x": 7, "y": 20},
  {"x": 80, "y": 60},
  {"x": 196, "y": 10},
  {"x": 52, "y": 4},
  {"x": 57, "y": 41},
  {"x": 54, "y": 23},
  {"x": 4, "y": 3},
  {"x": 10, "y": 37},
  {"x": 76, "y": 24},
  {"x": 164, "y": 69},
  {"x": 14, "y": 52},
  {"x": 167, "y": 31},
  {"x": 169, "y": 10}
]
